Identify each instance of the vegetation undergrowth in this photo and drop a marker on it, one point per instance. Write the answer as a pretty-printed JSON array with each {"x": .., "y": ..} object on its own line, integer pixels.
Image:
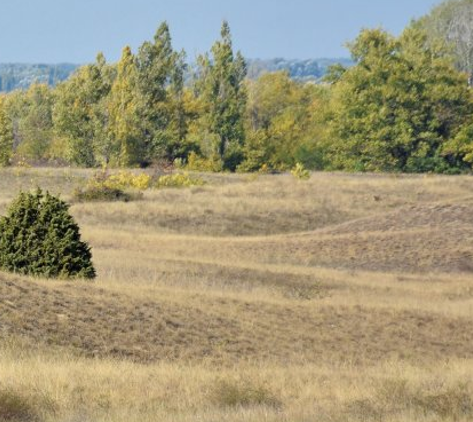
[
  {"x": 178, "y": 180},
  {"x": 104, "y": 187},
  {"x": 300, "y": 172},
  {"x": 238, "y": 393},
  {"x": 16, "y": 407}
]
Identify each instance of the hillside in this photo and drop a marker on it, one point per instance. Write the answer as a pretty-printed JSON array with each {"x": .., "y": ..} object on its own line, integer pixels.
[
  {"x": 344, "y": 298},
  {"x": 301, "y": 70},
  {"x": 20, "y": 76}
]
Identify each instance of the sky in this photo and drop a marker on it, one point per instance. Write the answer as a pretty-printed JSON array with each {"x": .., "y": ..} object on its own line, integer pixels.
[{"x": 73, "y": 31}]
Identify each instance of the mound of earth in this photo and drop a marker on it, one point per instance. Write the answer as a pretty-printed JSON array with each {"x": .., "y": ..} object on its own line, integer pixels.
[
  {"x": 99, "y": 323},
  {"x": 424, "y": 238}
]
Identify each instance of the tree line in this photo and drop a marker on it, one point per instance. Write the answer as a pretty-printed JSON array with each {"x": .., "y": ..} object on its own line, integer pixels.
[{"x": 405, "y": 105}]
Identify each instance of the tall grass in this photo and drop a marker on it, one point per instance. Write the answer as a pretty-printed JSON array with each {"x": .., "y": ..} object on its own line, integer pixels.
[{"x": 50, "y": 385}]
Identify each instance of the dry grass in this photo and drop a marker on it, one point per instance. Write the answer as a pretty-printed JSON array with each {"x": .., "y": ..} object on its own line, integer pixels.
[
  {"x": 78, "y": 389},
  {"x": 344, "y": 298}
]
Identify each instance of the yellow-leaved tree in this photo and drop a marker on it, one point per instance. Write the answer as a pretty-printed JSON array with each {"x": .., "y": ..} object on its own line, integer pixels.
[
  {"x": 284, "y": 123},
  {"x": 124, "y": 129},
  {"x": 6, "y": 135}
]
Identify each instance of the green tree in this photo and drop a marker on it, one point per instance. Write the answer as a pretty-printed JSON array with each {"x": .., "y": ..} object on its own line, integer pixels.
[
  {"x": 222, "y": 90},
  {"x": 452, "y": 22},
  {"x": 39, "y": 237},
  {"x": 180, "y": 110},
  {"x": 160, "y": 80},
  {"x": 284, "y": 123},
  {"x": 124, "y": 130},
  {"x": 31, "y": 114},
  {"x": 103, "y": 145},
  {"x": 6, "y": 135},
  {"x": 398, "y": 106},
  {"x": 78, "y": 117}
]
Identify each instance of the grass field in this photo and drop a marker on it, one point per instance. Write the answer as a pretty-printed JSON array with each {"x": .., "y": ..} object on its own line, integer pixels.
[{"x": 343, "y": 298}]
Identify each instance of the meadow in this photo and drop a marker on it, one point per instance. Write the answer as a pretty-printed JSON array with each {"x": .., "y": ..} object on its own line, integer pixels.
[{"x": 347, "y": 297}]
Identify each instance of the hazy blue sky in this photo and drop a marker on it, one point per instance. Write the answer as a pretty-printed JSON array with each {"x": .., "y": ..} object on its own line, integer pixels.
[{"x": 52, "y": 31}]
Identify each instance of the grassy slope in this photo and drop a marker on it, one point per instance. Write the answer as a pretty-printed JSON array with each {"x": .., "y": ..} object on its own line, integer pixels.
[{"x": 347, "y": 297}]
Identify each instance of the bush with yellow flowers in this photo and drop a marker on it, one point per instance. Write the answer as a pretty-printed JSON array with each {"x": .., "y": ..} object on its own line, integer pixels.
[
  {"x": 300, "y": 172},
  {"x": 179, "y": 180},
  {"x": 120, "y": 186}
]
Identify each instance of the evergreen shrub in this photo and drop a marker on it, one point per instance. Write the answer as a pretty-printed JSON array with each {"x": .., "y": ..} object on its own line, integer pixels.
[{"x": 39, "y": 237}]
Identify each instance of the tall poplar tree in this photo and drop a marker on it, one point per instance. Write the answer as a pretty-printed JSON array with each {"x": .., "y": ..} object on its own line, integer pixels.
[
  {"x": 221, "y": 86},
  {"x": 6, "y": 135},
  {"x": 103, "y": 144},
  {"x": 124, "y": 131},
  {"x": 76, "y": 114},
  {"x": 160, "y": 78}
]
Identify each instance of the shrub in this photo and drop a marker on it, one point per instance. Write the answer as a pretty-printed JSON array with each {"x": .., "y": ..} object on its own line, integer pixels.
[
  {"x": 454, "y": 402},
  {"x": 397, "y": 396},
  {"x": 126, "y": 179},
  {"x": 107, "y": 188},
  {"x": 39, "y": 237},
  {"x": 198, "y": 163},
  {"x": 179, "y": 180},
  {"x": 16, "y": 408},
  {"x": 300, "y": 172},
  {"x": 242, "y": 394},
  {"x": 102, "y": 194}
]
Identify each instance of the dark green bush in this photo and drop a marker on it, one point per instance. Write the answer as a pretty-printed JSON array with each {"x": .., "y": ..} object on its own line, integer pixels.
[
  {"x": 104, "y": 194},
  {"x": 39, "y": 237}
]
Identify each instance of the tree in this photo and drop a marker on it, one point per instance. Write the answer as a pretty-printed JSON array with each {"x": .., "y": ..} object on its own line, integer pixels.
[
  {"x": 78, "y": 117},
  {"x": 31, "y": 114},
  {"x": 6, "y": 135},
  {"x": 124, "y": 131},
  {"x": 284, "y": 121},
  {"x": 180, "y": 110},
  {"x": 103, "y": 146},
  {"x": 160, "y": 80},
  {"x": 397, "y": 107},
  {"x": 452, "y": 22},
  {"x": 222, "y": 90},
  {"x": 39, "y": 237}
]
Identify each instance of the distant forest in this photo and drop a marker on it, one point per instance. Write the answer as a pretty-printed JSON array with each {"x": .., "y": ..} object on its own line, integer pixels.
[{"x": 22, "y": 76}]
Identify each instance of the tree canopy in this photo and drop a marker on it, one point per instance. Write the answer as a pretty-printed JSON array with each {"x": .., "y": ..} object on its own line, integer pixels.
[
  {"x": 451, "y": 22},
  {"x": 398, "y": 106},
  {"x": 404, "y": 104}
]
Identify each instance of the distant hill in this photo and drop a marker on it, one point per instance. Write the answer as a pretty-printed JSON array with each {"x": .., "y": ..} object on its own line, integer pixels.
[
  {"x": 20, "y": 76},
  {"x": 303, "y": 70}
]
